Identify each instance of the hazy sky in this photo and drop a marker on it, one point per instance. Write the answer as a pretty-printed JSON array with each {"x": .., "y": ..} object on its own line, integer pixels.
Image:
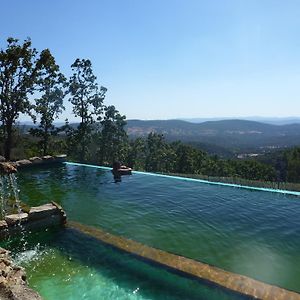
[{"x": 174, "y": 58}]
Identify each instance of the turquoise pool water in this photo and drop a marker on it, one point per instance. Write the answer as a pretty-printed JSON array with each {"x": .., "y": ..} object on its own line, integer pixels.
[
  {"x": 68, "y": 265},
  {"x": 248, "y": 232}
]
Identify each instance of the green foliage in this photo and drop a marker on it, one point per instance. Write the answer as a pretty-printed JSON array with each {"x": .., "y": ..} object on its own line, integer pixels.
[
  {"x": 154, "y": 154},
  {"x": 111, "y": 137},
  {"x": 253, "y": 170},
  {"x": 87, "y": 100},
  {"x": 293, "y": 164},
  {"x": 136, "y": 155},
  {"x": 159, "y": 154},
  {"x": 86, "y": 97},
  {"x": 18, "y": 73},
  {"x": 49, "y": 106}
]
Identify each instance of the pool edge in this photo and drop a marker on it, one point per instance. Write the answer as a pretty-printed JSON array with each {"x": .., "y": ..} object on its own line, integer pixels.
[{"x": 270, "y": 190}]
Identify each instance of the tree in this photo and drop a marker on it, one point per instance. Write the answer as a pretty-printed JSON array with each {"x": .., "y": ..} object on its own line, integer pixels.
[
  {"x": 87, "y": 99},
  {"x": 186, "y": 158},
  {"x": 51, "y": 85},
  {"x": 136, "y": 155},
  {"x": 112, "y": 136},
  {"x": 160, "y": 156},
  {"x": 293, "y": 164},
  {"x": 18, "y": 73}
]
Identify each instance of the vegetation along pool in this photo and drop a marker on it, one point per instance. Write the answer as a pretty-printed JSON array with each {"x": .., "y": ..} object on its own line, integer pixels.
[{"x": 248, "y": 232}]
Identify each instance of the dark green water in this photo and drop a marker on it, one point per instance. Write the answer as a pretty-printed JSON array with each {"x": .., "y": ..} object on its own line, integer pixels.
[{"x": 248, "y": 232}]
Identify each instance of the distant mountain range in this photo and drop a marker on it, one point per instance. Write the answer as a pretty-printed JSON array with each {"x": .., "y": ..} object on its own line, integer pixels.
[
  {"x": 233, "y": 135},
  {"x": 222, "y": 137},
  {"x": 268, "y": 120}
]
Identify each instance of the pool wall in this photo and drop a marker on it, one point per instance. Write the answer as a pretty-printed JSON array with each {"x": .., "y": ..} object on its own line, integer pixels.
[{"x": 234, "y": 282}]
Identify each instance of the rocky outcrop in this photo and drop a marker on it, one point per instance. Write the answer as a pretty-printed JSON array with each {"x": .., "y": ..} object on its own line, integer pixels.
[
  {"x": 7, "y": 168},
  {"x": 13, "y": 284}
]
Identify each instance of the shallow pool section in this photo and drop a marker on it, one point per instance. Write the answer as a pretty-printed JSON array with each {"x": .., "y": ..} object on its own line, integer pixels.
[
  {"x": 244, "y": 231},
  {"x": 69, "y": 265}
]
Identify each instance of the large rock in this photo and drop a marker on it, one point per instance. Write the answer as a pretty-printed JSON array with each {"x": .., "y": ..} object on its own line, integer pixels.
[
  {"x": 48, "y": 158},
  {"x": 44, "y": 216},
  {"x": 23, "y": 162},
  {"x": 60, "y": 157},
  {"x": 3, "y": 225},
  {"x": 43, "y": 211},
  {"x": 36, "y": 160}
]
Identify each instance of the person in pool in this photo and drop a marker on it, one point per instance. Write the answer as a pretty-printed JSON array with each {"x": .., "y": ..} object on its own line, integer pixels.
[{"x": 118, "y": 170}]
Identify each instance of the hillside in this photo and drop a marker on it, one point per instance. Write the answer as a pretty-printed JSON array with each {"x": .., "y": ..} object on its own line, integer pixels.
[
  {"x": 225, "y": 138},
  {"x": 236, "y": 135}
]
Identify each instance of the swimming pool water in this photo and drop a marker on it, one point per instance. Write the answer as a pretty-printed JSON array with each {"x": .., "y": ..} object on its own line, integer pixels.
[
  {"x": 69, "y": 265},
  {"x": 247, "y": 232}
]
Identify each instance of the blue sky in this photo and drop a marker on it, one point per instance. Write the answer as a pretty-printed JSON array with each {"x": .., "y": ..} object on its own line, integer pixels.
[{"x": 165, "y": 59}]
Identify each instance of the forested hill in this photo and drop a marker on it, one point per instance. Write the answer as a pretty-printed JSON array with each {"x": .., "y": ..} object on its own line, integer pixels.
[
  {"x": 224, "y": 137},
  {"x": 226, "y": 133}
]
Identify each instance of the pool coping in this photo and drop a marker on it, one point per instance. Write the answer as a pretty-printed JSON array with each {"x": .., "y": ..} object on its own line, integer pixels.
[
  {"x": 285, "y": 192},
  {"x": 191, "y": 268}
]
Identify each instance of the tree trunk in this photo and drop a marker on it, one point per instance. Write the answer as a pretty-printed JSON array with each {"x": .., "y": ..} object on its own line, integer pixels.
[
  {"x": 8, "y": 141},
  {"x": 45, "y": 142},
  {"x": 45, "y": 148}
]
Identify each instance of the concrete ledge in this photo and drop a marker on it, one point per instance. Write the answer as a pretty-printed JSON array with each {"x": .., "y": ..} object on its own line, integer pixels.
[{"x": 238, "y": 283}]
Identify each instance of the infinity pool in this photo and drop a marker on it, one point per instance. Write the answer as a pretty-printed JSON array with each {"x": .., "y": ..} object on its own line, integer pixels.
[{"x": 247, "y": 232}]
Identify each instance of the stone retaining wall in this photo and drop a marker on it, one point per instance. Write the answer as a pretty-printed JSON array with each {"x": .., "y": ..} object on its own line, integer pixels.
[
  {"x": 48, "y": 159},
  {"x": 13, "y": 284},
  {"x": 44, "y": 216}
]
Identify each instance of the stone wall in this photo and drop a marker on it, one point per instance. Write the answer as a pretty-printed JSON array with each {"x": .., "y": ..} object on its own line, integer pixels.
[
  {"x": 13, "y": 285},
  {"x": 48, "y": 159},
  {"x": 44, "y": 216}
]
